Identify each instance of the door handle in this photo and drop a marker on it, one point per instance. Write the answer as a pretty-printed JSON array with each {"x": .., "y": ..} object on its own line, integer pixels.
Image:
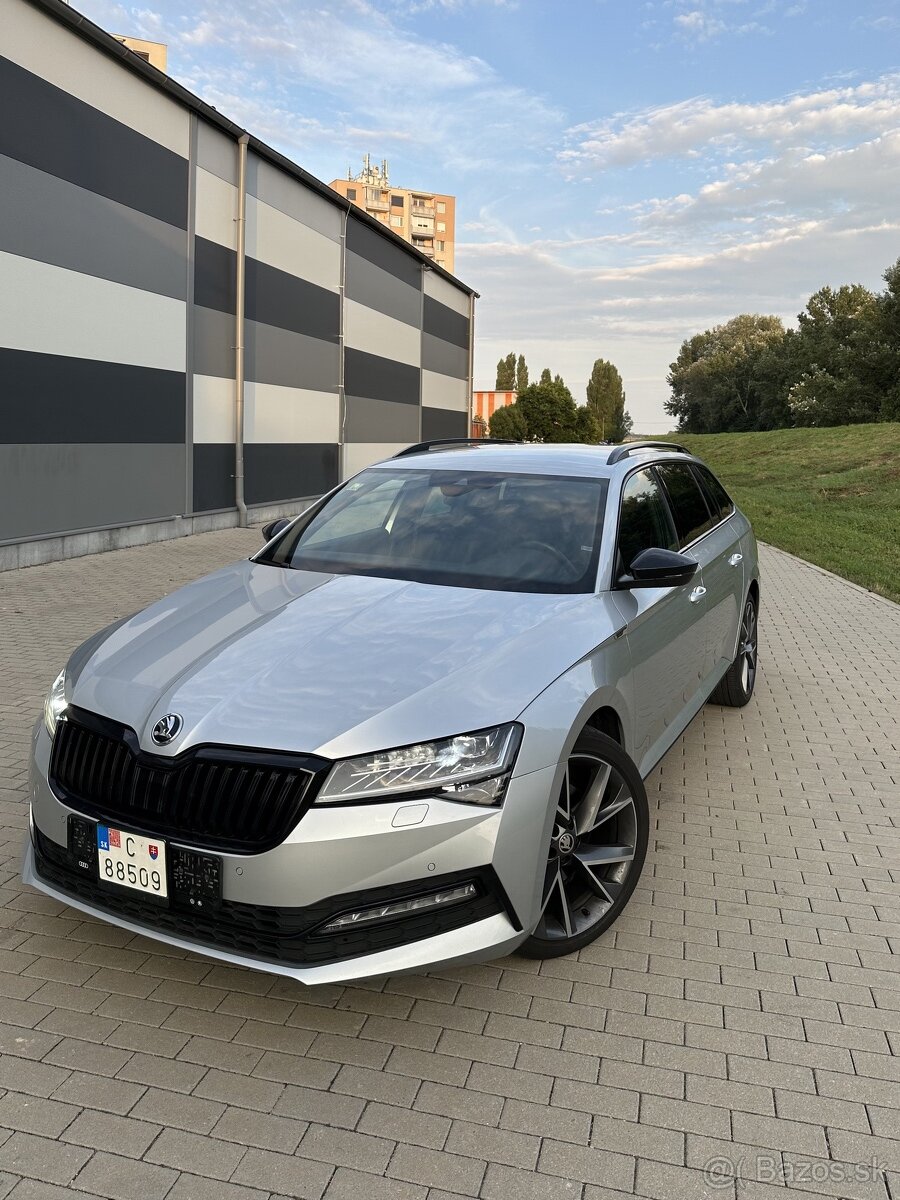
[
  {"x": 735, "y": 559},
  {"x": 697, "y": 594}
]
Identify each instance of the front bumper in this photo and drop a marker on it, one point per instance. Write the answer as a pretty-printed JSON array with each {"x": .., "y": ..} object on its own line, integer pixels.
[{"x": 334, "y": 860}]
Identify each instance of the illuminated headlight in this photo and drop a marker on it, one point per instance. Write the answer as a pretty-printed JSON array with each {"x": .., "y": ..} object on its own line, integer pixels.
[
  {"x": 473, "y": 767},
  {"x": 400, "y": 908},
  {"x": 55, "y": 704}
]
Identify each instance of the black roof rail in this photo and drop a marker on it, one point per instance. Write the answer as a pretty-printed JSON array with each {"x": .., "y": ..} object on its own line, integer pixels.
[
  {"x": 424, "y": 447},
  {"x": 626, "y": 448}
]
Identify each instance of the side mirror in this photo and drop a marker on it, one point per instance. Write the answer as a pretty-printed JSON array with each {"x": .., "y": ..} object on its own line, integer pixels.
[
  {"x": 274, "y": 528},
  {"x": 659, "y": 568}
]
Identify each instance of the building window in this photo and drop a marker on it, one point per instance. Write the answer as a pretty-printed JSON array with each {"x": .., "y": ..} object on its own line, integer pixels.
[
  {"x": 396, "y": 201},
  {"x": 397, "y": 222},
  {"x": 441, "y": 206},
  {"x": 440, "y": 245},
  {"x": 442, "y": 227},
  {"x": 351, "y": 193}
]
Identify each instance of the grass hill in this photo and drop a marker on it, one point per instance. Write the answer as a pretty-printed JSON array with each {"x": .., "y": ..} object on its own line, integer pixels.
[{"x": 831, "y": 496}]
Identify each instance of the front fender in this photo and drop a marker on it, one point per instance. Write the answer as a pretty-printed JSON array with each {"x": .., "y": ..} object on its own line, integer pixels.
[{"x": 553, "y": 721}]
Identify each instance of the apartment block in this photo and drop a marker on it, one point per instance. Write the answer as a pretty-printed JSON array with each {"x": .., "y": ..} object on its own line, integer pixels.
[{"x": 427, "y": 220}]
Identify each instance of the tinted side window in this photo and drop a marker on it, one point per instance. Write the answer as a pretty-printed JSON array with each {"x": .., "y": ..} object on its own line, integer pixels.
[
  {"x": 692, "y": 517},
  {"x": 644, "y": 520},
  {"x": 717, "y": 498}
]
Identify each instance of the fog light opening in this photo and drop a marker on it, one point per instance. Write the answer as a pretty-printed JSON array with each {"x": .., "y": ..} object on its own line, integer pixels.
[{"x": 400, "y": 908}]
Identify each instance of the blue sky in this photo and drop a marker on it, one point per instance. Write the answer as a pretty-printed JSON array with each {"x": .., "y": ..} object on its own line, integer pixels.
[{"x": 628, "y": 172}]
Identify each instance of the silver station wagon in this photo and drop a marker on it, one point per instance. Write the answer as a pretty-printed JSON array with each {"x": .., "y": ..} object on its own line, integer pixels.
[{"x": 413, "y": 729}]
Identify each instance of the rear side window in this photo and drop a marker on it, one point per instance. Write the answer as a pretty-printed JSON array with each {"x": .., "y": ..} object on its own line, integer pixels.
[
  {"x": 692, "y": 516},
  {"x": 645, "y": 520},
  {"x": 718, "y": 499}
]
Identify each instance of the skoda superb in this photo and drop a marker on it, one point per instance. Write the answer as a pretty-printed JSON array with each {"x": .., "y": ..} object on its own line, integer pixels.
[{"x": 412, "y": 730}]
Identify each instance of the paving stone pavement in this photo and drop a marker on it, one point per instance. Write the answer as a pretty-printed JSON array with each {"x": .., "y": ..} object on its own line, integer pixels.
[{"x": 742, "y": 1019}]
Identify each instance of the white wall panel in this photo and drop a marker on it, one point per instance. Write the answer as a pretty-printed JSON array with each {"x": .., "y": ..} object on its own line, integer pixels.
[
  {"x": 438, "y": 287},
  {"x": 362, "y": 454},
  {"x": 53, "y": 52},
  {"x": 50, "y": 310},
  {"x": 376, "y": 333},
  {"x": 213, "y": 409},
  {"x": 216, "y": 211},
  {"x": 275, "y": 414},
  {"x": 274, "y": 237},
  {"x": 443, "y": 391}
]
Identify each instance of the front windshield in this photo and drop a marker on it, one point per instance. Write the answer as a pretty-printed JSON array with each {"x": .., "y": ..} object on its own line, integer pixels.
[{"x": 463, "y": 528}]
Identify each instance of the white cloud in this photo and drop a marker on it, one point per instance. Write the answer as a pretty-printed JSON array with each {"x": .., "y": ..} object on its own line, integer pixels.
[{"x": 700, "y": 124}]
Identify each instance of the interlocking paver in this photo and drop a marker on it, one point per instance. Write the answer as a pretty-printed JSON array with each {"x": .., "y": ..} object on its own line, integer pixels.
[{"x": 756, "y": 964}]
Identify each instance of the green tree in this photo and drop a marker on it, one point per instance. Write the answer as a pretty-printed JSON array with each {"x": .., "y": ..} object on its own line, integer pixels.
[
  {"x": 508, "y": 422},
  {"x": 546, "y": 377},
  {"x": 586, "y": 427},
  {"x": 841, "y": 379},
  {"x": 549, "y": 411},
  {"x": 718, "y": 380},
  {"x": 506, "y": 373},
  {"x": 521, "y": 374},
  {"x": 606, "y": 400}
]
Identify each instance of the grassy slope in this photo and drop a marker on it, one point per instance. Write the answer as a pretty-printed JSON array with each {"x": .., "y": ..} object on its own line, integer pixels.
[{"x": 831, "y": 496}]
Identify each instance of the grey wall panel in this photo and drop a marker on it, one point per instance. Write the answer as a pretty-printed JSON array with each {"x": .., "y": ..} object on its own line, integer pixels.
[
  {"x": 384, "y": 252},
  {"x": 442, "y": 423},
  {"x": 214, "y": 275},
  {"x": 381, "y": 378},
  {"x": 370, "y": 420},
  {"x": 55, "y": 489},
  {"x": 285, "y": 472},
  {"x": 52, "y": 220},
  {"x": 273, "y": 186},
  {"x": 54, "y": 398},
  {"x": 216, "y": 152},
  {"x": 276, "y": 298},
  {"x": 57, "y": 133},
  {"x": 213, "y": 344},
  {"x": 213, "y": 476},
  {"x": 382, "y": 291},
  {"x": 438, "y": 355},
  {"x": 444, "y": 323},
  {"x": 290, "y": 359},
  {"x": 451, "y": 295}
]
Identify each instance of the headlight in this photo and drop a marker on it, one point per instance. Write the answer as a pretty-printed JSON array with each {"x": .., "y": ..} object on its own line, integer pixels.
[
  {"x": 473, "y": 767},
  {"x": 55, "y": 704}
]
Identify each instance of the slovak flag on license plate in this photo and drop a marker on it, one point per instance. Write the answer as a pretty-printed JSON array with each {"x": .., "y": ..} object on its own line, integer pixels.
[
  {"x": 153, "y": 851},
  {"x": 115, "y": 838}
]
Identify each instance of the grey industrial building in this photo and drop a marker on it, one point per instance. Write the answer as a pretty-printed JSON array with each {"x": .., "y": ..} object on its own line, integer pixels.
[{"x": 134, "y": 219}]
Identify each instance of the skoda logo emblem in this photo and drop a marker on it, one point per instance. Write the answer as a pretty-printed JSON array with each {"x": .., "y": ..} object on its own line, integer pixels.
[
  {"x": 166, "y": 729},
  {"x": 566, "y": 843}
]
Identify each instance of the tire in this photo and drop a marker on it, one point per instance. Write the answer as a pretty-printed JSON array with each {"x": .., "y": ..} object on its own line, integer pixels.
[
  {"x": 736, "y": 686},
  {"x": 581, "y": 899}
]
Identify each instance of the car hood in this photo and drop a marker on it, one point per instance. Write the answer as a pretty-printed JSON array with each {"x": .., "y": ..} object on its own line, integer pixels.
[{"x": 263, "y": 656}]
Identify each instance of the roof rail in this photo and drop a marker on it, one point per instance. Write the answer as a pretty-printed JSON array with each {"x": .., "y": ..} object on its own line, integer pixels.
[
  {"x": 424, "y": 447},
  {"x": 626, "y": 448}
]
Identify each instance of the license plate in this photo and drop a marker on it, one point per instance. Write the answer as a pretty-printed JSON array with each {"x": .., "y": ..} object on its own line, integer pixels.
[{"x": 131, "y": 861}]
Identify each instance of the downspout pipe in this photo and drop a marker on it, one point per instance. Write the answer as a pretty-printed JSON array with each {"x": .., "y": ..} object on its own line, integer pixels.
[
  {"x": 471, "y": 386},
  {"x": 239, "y": 292}
]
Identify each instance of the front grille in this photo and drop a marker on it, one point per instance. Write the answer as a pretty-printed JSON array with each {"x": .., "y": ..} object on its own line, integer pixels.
[
  {"x": 286, "y": 935},
  {"x": 243, "y": 801}
]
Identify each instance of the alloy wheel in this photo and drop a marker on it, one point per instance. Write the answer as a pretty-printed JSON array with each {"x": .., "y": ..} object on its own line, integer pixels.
[
  {"x": 592, "y": 848},
  {"x": 748, "y": 648}
]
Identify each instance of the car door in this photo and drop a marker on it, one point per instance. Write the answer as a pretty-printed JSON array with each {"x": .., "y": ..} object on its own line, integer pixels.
[
  {"x": 715, "y": 543},
  {"x": 722, "y": 562},
  {"x": 665, "y": 632}
]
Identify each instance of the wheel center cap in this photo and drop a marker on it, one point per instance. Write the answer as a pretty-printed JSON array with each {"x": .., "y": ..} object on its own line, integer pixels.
[{"x": 566, "y": 842}]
